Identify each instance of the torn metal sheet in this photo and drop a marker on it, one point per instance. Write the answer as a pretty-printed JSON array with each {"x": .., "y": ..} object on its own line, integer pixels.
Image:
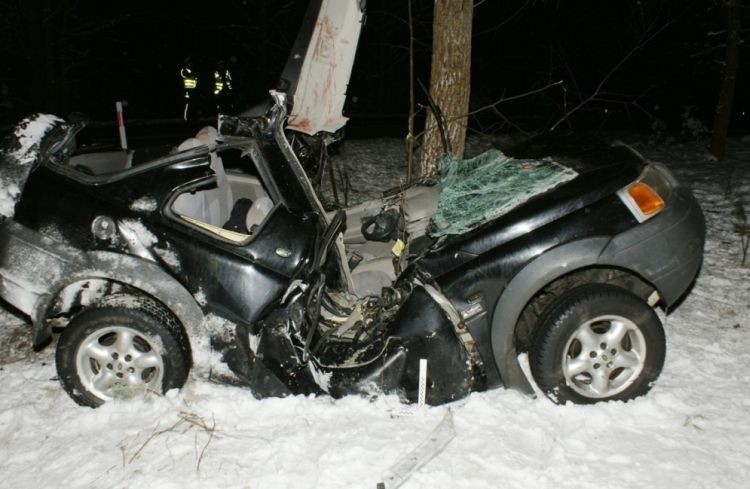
[{"x": 320, "y": 91}]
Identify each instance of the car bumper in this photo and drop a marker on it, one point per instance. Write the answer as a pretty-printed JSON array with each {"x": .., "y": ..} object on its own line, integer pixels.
[{"x": 666, "y": 250}]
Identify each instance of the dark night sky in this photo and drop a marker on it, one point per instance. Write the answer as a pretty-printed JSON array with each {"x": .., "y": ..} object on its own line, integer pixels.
[{"x": 64, "y": 55}]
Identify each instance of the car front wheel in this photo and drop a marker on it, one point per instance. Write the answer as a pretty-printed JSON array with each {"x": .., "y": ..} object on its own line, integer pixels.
[
  {"x": 597, "y": 342},
  {"x": 123, "y": 347}
]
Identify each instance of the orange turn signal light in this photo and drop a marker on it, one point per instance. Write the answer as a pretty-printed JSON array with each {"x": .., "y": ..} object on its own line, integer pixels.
[{"x": 646, "y": 198}]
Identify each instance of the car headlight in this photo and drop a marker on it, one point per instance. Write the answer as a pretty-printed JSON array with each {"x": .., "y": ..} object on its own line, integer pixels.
[{"x": 647, "y": 196}]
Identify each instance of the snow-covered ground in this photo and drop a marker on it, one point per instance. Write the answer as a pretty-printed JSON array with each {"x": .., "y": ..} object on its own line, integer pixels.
[{"x": 690, "y": 431}]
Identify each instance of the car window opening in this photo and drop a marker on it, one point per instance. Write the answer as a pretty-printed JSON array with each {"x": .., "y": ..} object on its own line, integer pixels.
[{"x": 238, "y": 204}]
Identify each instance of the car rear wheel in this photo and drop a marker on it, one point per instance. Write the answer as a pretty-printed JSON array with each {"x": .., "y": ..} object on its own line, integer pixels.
[
  {"x": 123, "y": 347},
  {"x": 596, "y": 343}
]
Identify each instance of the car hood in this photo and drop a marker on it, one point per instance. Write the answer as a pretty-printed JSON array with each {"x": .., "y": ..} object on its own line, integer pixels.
[
  {"x": 582, "y": 152},
  {"x": 485, "y": 188},
  {"x": 599, "y": 170}
]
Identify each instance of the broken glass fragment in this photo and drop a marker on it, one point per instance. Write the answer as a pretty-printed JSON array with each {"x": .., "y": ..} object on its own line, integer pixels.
[{"x": 483, "y": 188}]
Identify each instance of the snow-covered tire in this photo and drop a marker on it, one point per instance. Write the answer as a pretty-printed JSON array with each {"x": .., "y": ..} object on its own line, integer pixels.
[
  {"x": 122, "y": 347},
  {"x": 596, "y": 343}
]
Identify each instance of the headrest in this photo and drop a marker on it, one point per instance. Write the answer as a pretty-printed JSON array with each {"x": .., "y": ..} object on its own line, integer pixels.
[{"x": 208, "y": 136}]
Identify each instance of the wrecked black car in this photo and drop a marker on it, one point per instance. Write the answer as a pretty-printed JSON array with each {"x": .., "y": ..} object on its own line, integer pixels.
[
  {"x": 431, "y": 292},
  {"x": 565, "y": 261}
]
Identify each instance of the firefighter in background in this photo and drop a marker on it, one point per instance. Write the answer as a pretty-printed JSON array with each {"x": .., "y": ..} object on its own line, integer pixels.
[
  {"x": 223, "y": 90},
  {"x": 204, "y": 96},
  {"x": 189, "y": 83}
]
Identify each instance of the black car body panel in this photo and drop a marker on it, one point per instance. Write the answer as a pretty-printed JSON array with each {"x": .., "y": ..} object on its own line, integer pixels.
[
  {"x": 42, "y": 276},
  {"x": 461, "y": 302},
  {"x": 667, "y": 250}
]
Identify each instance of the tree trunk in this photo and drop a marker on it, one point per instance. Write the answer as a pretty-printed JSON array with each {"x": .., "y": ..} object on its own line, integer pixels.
[
  {"x": 729, "y": 77},
  {"x": 449, "y": 79}
]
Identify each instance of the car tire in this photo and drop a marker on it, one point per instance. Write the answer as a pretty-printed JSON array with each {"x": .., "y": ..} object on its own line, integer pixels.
[
  {"x": 597, "y": 342},
  {"x": 122, "y": 347}
]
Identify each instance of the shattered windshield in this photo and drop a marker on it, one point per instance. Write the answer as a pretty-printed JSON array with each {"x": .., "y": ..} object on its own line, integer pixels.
[{"x": 485, "y": 187}]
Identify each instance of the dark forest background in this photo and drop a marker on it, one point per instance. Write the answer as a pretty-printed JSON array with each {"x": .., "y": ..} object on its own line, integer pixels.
[{"x": 660, "y": 60}]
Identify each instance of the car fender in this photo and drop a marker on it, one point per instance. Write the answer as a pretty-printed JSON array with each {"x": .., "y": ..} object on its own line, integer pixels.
[
  {"x": 150, "y": 278},
  {"x": 136, "y": 273},
  {"x": 35, "y": 270},
  {"x": 523, "y": 286}
]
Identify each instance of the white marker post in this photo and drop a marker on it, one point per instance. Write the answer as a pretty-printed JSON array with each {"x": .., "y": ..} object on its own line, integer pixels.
[
  {"x": 121, "y": 126},
  {"x": 422, "y": 395}
]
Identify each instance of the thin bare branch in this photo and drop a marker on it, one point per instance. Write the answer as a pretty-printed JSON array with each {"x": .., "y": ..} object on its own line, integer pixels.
[
  {"x": 637, "y": 48},
  {"x": 509, "y": 122},
  {"x": 501, "y": 24},
  {"x": 509, "y": 99},
  {"x": 211, "y": 432},
  {"x": 410, "y": 135},
  {"x": 572, "y": 76},
  {"x": 153, "y": 435}
]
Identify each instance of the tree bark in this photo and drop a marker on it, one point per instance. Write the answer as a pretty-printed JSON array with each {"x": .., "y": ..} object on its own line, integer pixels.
[
  {"x": 450, "y": 78},
  {"x": 728, "y": 81}
]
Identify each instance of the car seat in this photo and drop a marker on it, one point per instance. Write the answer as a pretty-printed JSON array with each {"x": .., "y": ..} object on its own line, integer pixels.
[
  {"x": 258, "y": 211},
  {"x": 214, "y": 205}
]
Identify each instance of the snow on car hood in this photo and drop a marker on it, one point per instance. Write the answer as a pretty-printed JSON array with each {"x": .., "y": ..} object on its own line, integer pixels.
[
  {"x": 483, "y": 188},
  {"x": 17, "y": 158}
]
